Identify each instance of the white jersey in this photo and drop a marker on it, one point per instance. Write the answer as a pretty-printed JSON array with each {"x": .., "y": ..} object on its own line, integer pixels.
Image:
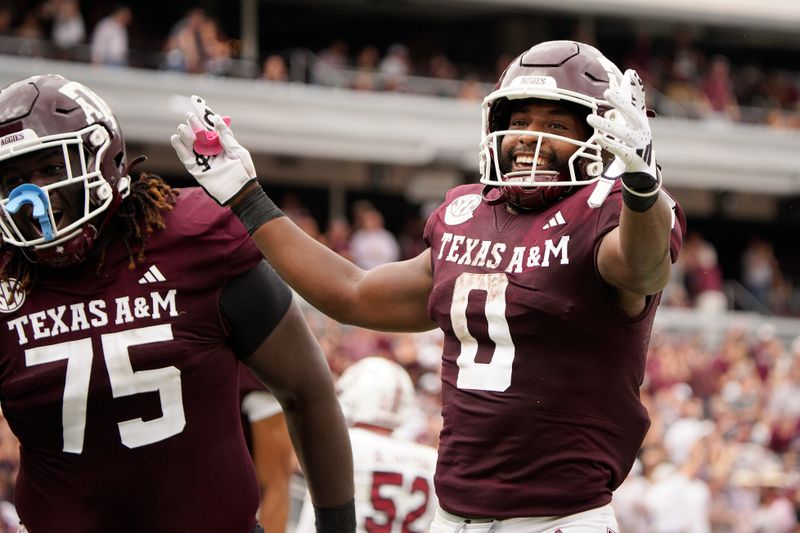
[{"x": 394, "y": 485}]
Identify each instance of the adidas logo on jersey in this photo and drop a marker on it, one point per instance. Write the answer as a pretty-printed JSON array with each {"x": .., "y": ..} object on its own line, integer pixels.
[
  {"x": 153, "y": 275},
  {"x": 557, "y": 220}
]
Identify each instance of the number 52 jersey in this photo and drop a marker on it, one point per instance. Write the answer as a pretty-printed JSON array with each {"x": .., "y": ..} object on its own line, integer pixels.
[
  {"x": 393, "y": 481},
  {"x": 540, "y": 371}
]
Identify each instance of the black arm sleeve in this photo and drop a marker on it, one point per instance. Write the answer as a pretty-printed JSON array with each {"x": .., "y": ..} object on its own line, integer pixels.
[{"x": 253, "y": 304}]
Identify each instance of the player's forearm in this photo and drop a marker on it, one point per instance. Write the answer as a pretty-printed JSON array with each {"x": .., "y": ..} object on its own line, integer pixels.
[
  {"x": 644, "y": 245},
  {"x": 322, "y": 444},
  {"x": 274, "y": 513}
]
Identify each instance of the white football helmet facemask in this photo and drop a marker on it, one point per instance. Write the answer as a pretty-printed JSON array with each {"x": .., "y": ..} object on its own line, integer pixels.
[{"x": 565, "y": 71}]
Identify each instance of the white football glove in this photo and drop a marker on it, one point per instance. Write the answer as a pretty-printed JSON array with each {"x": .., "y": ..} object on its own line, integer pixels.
[
  {"x": 625, "y": 132},
  {"x": 223, "y": 176}
]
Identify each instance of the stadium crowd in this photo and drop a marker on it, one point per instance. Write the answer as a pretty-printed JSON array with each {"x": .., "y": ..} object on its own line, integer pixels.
[
  {"x": 723, "y": 450},
  {"x": 722, "y": 454},
  {"x": 683, "y": 78}
]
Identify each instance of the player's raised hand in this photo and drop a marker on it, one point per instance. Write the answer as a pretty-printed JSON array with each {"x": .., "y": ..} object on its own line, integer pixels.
[
  {"x": 625, "y": 132},
  {"x": 211, "y": 154}
]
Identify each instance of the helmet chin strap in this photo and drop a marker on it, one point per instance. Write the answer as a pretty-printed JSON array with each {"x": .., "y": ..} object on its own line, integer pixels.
[
  {"x": 68, "y": 253},
  {"x": 492, "y": 195}
]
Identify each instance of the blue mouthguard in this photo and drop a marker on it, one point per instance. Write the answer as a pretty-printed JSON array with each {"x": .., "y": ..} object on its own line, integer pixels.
[{"x": 28, "y": 193}]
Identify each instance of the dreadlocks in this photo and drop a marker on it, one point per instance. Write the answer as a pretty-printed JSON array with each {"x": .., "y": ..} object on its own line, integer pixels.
[{"x": 141, "y": 214}]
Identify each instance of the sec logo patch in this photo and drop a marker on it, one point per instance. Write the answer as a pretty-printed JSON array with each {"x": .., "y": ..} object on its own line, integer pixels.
[
  {"x": 460, "y": 210},
  {"x": 11, "y": 296}
]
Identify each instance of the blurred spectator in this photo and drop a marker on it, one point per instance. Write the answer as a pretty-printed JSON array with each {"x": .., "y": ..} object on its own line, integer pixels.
[
  {"x": 293, "y": 207},
  {"x": 5, "y": 20},
  {"x": 68, "y": 30},
  {"x": 471, "y": 89},
  {"x": 216, "y": 49},
  {"x": 372, "y": 244},
  {"x": 395, "y": 67},
  {"x": 410, "y": 238},
  {"x": 110, "y": 38},
  {"x": 331, "y": 60},
  {"x": 676, "y": 294},
  {"x": 9, "y": 466},
  {"x": 776, "y": 512},
  {"x": 500, "y": 64},
  {"x": 760, "y": 270},
  {"x": 306, "y": 221},
  {"x": 274, "y": 68},
  {"x": 678, "y": 500},
  {"x": 748, "y": 85},
  {"x": 628, "y": 503},
  {"x": 686, "y": 58},
  {"x": 337, "y": 237},
  {"x": 703, "y": 274},
  {"x": 684, "y": 91},
  {"x": 643, "y": 59},
  {"x": 718, "y": 86},
  {"x": 184, "y": 45},
  {"x": 782, "y": 85},
  {"x": 31, "y": 33},
  {"x": 366, "y": 69},
  {"x": 441, "y": 68},
  {"x": 31, "y": 26}
]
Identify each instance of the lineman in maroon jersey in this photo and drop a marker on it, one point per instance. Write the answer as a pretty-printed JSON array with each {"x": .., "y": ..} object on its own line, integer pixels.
[
  {"x": 545, "y": 288},
  {"x": 126, "y": 307}
]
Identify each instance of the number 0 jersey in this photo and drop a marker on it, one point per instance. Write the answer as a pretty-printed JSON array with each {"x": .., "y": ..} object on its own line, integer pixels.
[
  {"x": 540, "y": 371},
  {"x": 122, "y": 390}
]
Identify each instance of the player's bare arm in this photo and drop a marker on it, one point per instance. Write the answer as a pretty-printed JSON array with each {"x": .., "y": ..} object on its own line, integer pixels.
[
  {"x": 291, "y": 364},
  {"x": 634, "y": 258},
  {"x": 274, "y": 460},
  {"x": 391, "y": 297}
]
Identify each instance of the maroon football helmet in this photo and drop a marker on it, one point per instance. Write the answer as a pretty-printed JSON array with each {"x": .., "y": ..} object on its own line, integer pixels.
[
  {"x": 51, "y": 112},
  {"x": 565, "y": 71}
]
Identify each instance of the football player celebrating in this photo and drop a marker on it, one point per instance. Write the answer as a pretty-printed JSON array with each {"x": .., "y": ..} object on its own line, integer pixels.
[
  {"x": 545, "y": 281},
  {"x": 393, "y": 476},
  {"x": 126, "y": 307}
]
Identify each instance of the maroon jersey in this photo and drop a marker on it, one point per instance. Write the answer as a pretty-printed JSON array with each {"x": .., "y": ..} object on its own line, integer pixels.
[
  {"x": 540, "y": 371},
  {"x": 123, "y": 391},
  {"x": 248, "y": 382}
]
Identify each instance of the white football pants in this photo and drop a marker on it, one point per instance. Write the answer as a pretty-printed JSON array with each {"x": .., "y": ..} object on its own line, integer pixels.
[{"x": 599, "y": 520}]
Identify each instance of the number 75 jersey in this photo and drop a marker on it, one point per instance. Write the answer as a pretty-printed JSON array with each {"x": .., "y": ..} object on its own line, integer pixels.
[
  {"x": 540, "y": 371},
  {"x": 123, "y": 391}
]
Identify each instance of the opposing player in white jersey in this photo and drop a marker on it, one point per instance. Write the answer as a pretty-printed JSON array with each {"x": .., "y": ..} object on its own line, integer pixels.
[{"x": 393, "y": 476}]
